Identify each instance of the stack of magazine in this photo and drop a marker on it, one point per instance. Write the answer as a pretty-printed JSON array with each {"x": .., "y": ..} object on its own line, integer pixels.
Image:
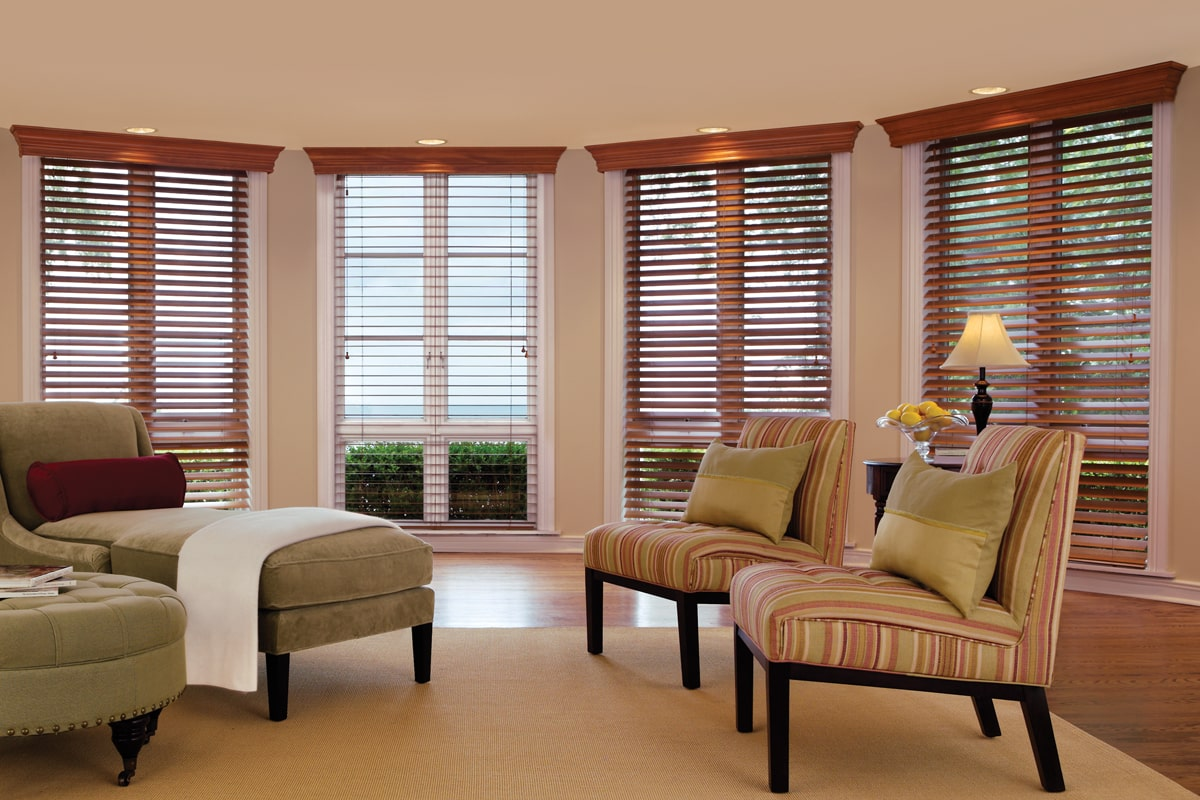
[{"x": 33, "y": 580}]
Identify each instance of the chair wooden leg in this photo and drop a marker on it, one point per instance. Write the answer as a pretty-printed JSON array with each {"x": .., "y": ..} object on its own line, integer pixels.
[
  {"x": 985, "y": 712},
  {"x": 743, "y": 684},
  {"x": 1041, "y": 736},
  {"x": 687, "y": 612},
  {"x": 593, "y": 594},
  {"x": 422, "y": 644},
  {"x": 779, "y": 708},
  {"x": 277, "y": 685},
  {"x": 128, "y": 736}
]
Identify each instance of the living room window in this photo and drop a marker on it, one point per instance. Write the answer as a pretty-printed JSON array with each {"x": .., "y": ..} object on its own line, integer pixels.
[
  {"x": 438, "y": 345},
  {"x": 1054, "y": 224},
  {"x": 729, "y": 308},
  {"x": 142, "y": 267}
]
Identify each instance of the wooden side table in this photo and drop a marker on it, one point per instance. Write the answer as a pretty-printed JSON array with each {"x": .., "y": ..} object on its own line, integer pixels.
[{"x": 881, "y": 474}]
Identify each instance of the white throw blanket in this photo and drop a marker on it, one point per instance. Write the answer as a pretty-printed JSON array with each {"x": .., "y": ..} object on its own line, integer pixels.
[{"x": 219, "y": 569}]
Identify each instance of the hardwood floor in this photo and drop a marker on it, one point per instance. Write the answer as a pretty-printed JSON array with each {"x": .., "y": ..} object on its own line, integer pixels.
[{"x": 1128, "y": 670}]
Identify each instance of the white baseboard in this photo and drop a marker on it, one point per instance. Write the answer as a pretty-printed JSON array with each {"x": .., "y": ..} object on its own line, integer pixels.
[{"x": 1147, "y": 587}]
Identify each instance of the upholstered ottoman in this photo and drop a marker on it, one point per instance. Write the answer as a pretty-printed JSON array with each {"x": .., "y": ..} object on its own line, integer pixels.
[
  {"x": 108, "y": 650},
  {"x": 323, "y": 590}
]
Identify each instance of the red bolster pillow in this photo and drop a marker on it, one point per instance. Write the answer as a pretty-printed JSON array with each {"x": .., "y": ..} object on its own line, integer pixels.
[{"x": 65, "y": 488}]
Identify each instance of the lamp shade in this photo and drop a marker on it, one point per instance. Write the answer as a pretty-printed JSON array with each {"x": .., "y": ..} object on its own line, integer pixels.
[{"x": 984, "y": 343}]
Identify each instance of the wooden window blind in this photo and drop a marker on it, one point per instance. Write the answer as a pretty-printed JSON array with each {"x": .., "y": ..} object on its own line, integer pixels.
[
  {"x": 1050, "y": 225},
  {"x": 437, "y": 362},
  {"x": 144, "y": 301},
  {"x": 727, "y": 311}
]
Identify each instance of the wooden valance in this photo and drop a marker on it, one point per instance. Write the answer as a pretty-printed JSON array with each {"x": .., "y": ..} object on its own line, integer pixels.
[
  {"x": 715, "y": 148},
  {"x": 134, "y": 148},
  {"x": 452, "y": 160},
  {"x": 1104, "y": 93}
]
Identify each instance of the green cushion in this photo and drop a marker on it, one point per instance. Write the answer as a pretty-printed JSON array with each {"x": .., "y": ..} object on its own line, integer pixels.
[
  {"x": 943, "y": 529},
  {"x": 748, "y": 488}
]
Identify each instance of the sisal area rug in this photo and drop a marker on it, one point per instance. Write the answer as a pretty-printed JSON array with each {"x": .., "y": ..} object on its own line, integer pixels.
[{"x": 528, "y": 714}]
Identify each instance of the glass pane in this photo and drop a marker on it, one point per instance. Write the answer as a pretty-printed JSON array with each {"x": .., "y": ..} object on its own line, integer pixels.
[
  {"x": 488, "y": 379},
  {"x": 488, "y": 481},
  {"x": 383, "y": 379},
  {"x": 386, "y": 479}
]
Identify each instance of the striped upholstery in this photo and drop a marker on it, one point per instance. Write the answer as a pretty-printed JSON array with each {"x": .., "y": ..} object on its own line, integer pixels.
[
  {"x": 694, "y": 557},
  {"x": 866, "y": 619}
]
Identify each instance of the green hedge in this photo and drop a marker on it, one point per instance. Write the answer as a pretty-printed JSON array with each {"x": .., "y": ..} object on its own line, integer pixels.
[{"x": 488, "y": 480}]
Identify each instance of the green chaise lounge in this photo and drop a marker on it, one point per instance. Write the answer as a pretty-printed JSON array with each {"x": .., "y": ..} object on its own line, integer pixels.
[{"x": 320, "y": 591}]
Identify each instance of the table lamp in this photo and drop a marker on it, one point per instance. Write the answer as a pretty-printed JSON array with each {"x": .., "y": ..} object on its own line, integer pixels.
[{"x": 984, "y": 344}]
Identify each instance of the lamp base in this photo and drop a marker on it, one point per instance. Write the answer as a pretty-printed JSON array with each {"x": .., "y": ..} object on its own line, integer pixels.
[{"x": 981, "y": 403}]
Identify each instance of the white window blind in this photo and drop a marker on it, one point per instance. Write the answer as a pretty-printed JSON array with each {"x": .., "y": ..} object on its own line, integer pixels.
[{"x": 436, "y": 286}]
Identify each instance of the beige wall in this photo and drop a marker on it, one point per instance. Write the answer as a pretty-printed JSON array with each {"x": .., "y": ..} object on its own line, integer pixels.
[
  {"x": 577, "y": 368},
  {"x": 10, "y": 270}
]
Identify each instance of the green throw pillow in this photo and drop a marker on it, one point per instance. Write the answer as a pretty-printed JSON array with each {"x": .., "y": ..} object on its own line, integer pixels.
[
  {"x": 943, "y": 529},
  {"x": 748, "y": 488}
]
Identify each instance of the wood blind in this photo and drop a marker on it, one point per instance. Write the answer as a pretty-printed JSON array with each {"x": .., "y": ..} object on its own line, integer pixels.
[
  {"x": 727, "y": 312},
  {"x": 144, "y": 301},
  {"x": 436, "y": 286},
  {"x": 1050, "y": 225}
]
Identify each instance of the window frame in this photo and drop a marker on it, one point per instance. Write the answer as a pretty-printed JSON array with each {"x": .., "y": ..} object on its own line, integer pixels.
[
  {"x": 1154, "y": 85},
  {"x": 328, "y": 164},
  {"x": 835, "y": 140},
  {"x": 34, "y": 143}
]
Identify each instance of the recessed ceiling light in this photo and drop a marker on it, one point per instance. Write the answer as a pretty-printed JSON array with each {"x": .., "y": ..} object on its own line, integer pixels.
[
  {"x": 713, "y": 129},
  {"x": 139, "y": 129},
  {"x": 985, "y": 90},
  {"x": 431, "y": 141}
]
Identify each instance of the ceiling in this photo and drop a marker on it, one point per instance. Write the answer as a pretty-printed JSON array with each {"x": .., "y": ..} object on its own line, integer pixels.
[{"x": 546, "y": 72}]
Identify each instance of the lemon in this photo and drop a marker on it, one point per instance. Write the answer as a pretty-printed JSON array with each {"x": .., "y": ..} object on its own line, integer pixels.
[
  {"x": 927, "y": 406},
  {"x": 894, "y": 414},
  {"x": 906, "y": 407},
  {"x": 910, "y": 418},
  {"x": 923, "y": 435}
]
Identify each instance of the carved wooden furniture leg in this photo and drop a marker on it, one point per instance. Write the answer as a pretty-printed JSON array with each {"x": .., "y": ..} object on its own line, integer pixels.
[{"x": 128, "y": 736}]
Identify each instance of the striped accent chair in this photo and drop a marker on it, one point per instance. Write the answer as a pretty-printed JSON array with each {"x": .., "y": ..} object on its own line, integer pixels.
[
  {"x": 693, "y": 563},
  {"x": 865, "y": 627}
]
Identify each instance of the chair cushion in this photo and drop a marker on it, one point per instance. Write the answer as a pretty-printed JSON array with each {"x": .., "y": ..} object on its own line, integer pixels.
[
  {"x": 66, "y": 488},
  {"x": 748, "y": 488},
  {"x": 690, "y": 557},
  {"x": 943, "y": 529},
  {"x": 869, "y": 619},
  {"x": 328, "y": 569}
]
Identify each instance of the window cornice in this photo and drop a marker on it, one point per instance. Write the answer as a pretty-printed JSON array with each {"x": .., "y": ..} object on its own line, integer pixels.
[
  {"x": 1133, "y": 87},
  {"x": 129, "y": 148},
  {"x": 715, "y": 148},
  {"x": 451, "y": 160}
]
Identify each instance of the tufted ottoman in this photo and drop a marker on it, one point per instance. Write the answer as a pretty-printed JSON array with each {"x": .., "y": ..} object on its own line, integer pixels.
[{"x": 108, "y": 650}]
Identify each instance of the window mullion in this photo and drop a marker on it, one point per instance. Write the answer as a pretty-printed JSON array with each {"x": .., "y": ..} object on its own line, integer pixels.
[{"x": 436, "y": 252}]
